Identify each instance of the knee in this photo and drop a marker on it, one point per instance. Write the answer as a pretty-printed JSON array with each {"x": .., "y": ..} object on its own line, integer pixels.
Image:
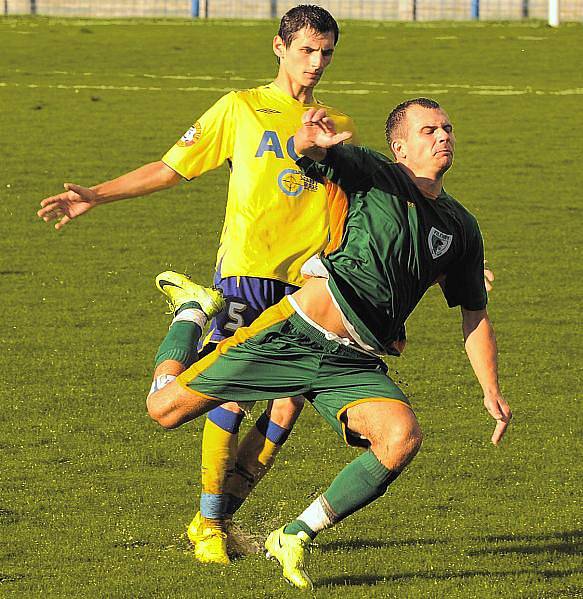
[
  {"x": 284, "y": 412},
  {"x": 401, "y": 442},
  {"x": 232, "y": 406},
  {"x": 408, "y": 436}
]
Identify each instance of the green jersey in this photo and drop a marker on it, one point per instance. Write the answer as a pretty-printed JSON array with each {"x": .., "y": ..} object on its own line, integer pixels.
[{"x": 394, "y": 243}]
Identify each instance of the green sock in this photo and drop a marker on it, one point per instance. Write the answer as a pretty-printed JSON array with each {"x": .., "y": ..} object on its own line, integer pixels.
[
  {"x": 358, "y": 484},
  {"x": 181, "y": 340},
  {"x": 296, "y": 526}
]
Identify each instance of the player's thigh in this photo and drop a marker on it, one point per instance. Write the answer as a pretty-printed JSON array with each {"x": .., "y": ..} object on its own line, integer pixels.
[
  {"x": 350, "y": 379},
  {"x": 261, "y": 362}
]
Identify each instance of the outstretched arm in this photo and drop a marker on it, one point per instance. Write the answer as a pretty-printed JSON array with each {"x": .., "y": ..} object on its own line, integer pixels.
[
  {"x": 317, "y": 134},
  {"x": 78, "y": 200},
  {"x": 483, "y": 354}
]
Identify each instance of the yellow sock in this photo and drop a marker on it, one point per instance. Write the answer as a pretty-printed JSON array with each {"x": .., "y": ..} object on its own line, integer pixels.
[
  {"x": 219, "y": 448},
  {"x": 255, "y": 457}
]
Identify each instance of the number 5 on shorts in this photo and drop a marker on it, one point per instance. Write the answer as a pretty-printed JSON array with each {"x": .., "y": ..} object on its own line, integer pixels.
[{"x": 235, "y": 316}]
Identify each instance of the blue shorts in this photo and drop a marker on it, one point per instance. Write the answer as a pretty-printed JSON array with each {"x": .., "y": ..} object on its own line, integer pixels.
[{"x": 246, "y": 299}]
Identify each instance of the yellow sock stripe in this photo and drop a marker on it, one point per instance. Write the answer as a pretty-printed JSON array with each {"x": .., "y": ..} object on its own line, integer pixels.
[
  {"x": 278, "y": 313},
  {"x": 268, "y": 452},
  {"x": 344, "y": 409}
]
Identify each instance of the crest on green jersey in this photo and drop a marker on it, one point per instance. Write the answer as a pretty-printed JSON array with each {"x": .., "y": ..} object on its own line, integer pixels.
[{"x": 438, "y": 242}]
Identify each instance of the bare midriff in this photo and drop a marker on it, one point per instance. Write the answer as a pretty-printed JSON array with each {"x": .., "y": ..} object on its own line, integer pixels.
[{"x": 316, "y": 303}]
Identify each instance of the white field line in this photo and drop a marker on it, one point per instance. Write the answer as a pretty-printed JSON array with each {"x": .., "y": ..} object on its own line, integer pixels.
[{"x": 426, "y": 89}]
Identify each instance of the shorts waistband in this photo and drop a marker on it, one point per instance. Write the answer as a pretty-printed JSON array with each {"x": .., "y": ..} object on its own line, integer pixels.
[{"x": 328, "y": 345}]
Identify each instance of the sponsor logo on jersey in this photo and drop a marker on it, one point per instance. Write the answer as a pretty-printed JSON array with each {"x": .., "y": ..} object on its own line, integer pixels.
[
  {"x": 191, "y": 136},
  {"x": 268, "y": 110},
  {"x": 292, "y": 182},
  {"x": 439, "y": 242}
]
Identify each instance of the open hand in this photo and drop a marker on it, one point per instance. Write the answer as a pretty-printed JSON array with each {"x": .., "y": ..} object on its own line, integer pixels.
[
  {"x": 317, "y": 134},
  {"x": 68, "y": 205}
]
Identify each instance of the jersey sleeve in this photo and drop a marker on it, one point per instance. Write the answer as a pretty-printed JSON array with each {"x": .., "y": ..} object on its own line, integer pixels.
[
  {"x": 347, "y": 166},
  {"x": 208, "y": 143},
  {"x": 464, "y": 283}
]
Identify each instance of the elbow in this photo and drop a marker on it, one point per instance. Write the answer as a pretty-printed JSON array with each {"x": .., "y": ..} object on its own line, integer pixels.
[
  {"x": 161, "y": 412},
  {"x": 166, "y": 175}
]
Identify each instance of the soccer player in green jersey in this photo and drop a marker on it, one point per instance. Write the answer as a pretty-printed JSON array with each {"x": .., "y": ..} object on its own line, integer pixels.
[
  {"x": 276, "y": 218},
  {"x": 400, "y": 233}
]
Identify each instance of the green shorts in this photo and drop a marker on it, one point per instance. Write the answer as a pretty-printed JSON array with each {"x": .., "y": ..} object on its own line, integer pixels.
[{"x": 281, "y": 355}]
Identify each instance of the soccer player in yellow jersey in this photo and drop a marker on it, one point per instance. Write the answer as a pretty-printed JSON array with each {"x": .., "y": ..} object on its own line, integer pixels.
[{"x": 276, "y": 218}]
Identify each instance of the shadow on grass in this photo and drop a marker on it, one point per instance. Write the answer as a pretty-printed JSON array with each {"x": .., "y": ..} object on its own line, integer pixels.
[
  {"x": 342, "y": 581},
  {"x": 375, "y": 544},
  {"x": 6, "y": 578},
  {"x": 564, "y": 534},
  {"x": 8, "y": 516},
  {"x": 565, "y": 542}
]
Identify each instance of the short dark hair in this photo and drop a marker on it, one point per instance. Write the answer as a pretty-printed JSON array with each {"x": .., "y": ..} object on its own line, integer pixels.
[
  {"x": 306, "y": 15},
  {"x": 398, "y": 114}
]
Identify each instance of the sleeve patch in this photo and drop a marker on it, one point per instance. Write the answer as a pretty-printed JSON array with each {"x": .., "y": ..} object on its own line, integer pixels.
[{"x": 191, "y": 136}]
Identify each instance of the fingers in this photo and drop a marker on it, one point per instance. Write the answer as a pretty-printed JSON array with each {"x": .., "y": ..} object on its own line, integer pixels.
[
  {"x": 66, "y": 219},
  {"x": 76, "y": 188},
  {"x": 51, "y": 208},
  {"x": 341, "y": 137},
  {"x": 315, "y": 116},
  {"x": 308, "y": 115},
  {"x": 501, "y": 412},
  {"x": 488, "y": 278},
  {"x": 501, "y": 426}
]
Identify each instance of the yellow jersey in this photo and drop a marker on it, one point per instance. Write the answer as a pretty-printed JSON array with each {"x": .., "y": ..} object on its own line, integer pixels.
[{"x": 276, "y": 217}]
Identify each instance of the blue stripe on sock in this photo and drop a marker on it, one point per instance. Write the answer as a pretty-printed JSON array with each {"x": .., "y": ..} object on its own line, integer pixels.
[
  {"x": 212, "y": 506},
  {"x": 275, "y": 433},
  {"x": 228, "y": 421}
]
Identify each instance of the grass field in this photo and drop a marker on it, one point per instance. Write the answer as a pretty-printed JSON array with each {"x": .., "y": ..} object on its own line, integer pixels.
[{"x": 94, "y": 498}]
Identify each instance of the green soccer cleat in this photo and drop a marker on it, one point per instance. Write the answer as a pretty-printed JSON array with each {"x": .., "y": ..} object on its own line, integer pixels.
[
  {"x": 210, "y": 544},
  {"x": 179, "y": 289},
  {"x": 291, "y": 551}
]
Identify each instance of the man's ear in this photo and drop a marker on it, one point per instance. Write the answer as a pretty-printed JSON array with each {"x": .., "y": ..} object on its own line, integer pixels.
[
  {"x": 279, "y": 47},
  {"x": 399, "y": 148}
]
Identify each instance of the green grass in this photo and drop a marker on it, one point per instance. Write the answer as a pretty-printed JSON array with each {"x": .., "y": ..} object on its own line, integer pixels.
[{"x": 94, "y": 498}]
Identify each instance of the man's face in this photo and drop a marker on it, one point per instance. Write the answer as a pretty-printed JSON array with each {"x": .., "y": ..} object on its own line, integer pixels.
[
  {"x": 306, "y": 58},
  {"x": 428, "y": 142}
]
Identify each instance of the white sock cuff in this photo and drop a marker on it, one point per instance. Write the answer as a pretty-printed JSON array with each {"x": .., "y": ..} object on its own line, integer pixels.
[
  {"x": 191, "y": 315},
  {"x": 316, "y": 516}
]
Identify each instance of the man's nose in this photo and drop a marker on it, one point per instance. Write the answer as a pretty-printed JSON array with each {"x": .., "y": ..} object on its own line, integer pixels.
[
  {"x": 442, "y": 134},
  {"x": 317, "y": 60}
]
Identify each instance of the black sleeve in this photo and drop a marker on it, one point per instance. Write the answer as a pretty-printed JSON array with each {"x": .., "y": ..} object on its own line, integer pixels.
[
  {"x": 348, "y": 166},
  {"x": 464, "y": 283}
]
